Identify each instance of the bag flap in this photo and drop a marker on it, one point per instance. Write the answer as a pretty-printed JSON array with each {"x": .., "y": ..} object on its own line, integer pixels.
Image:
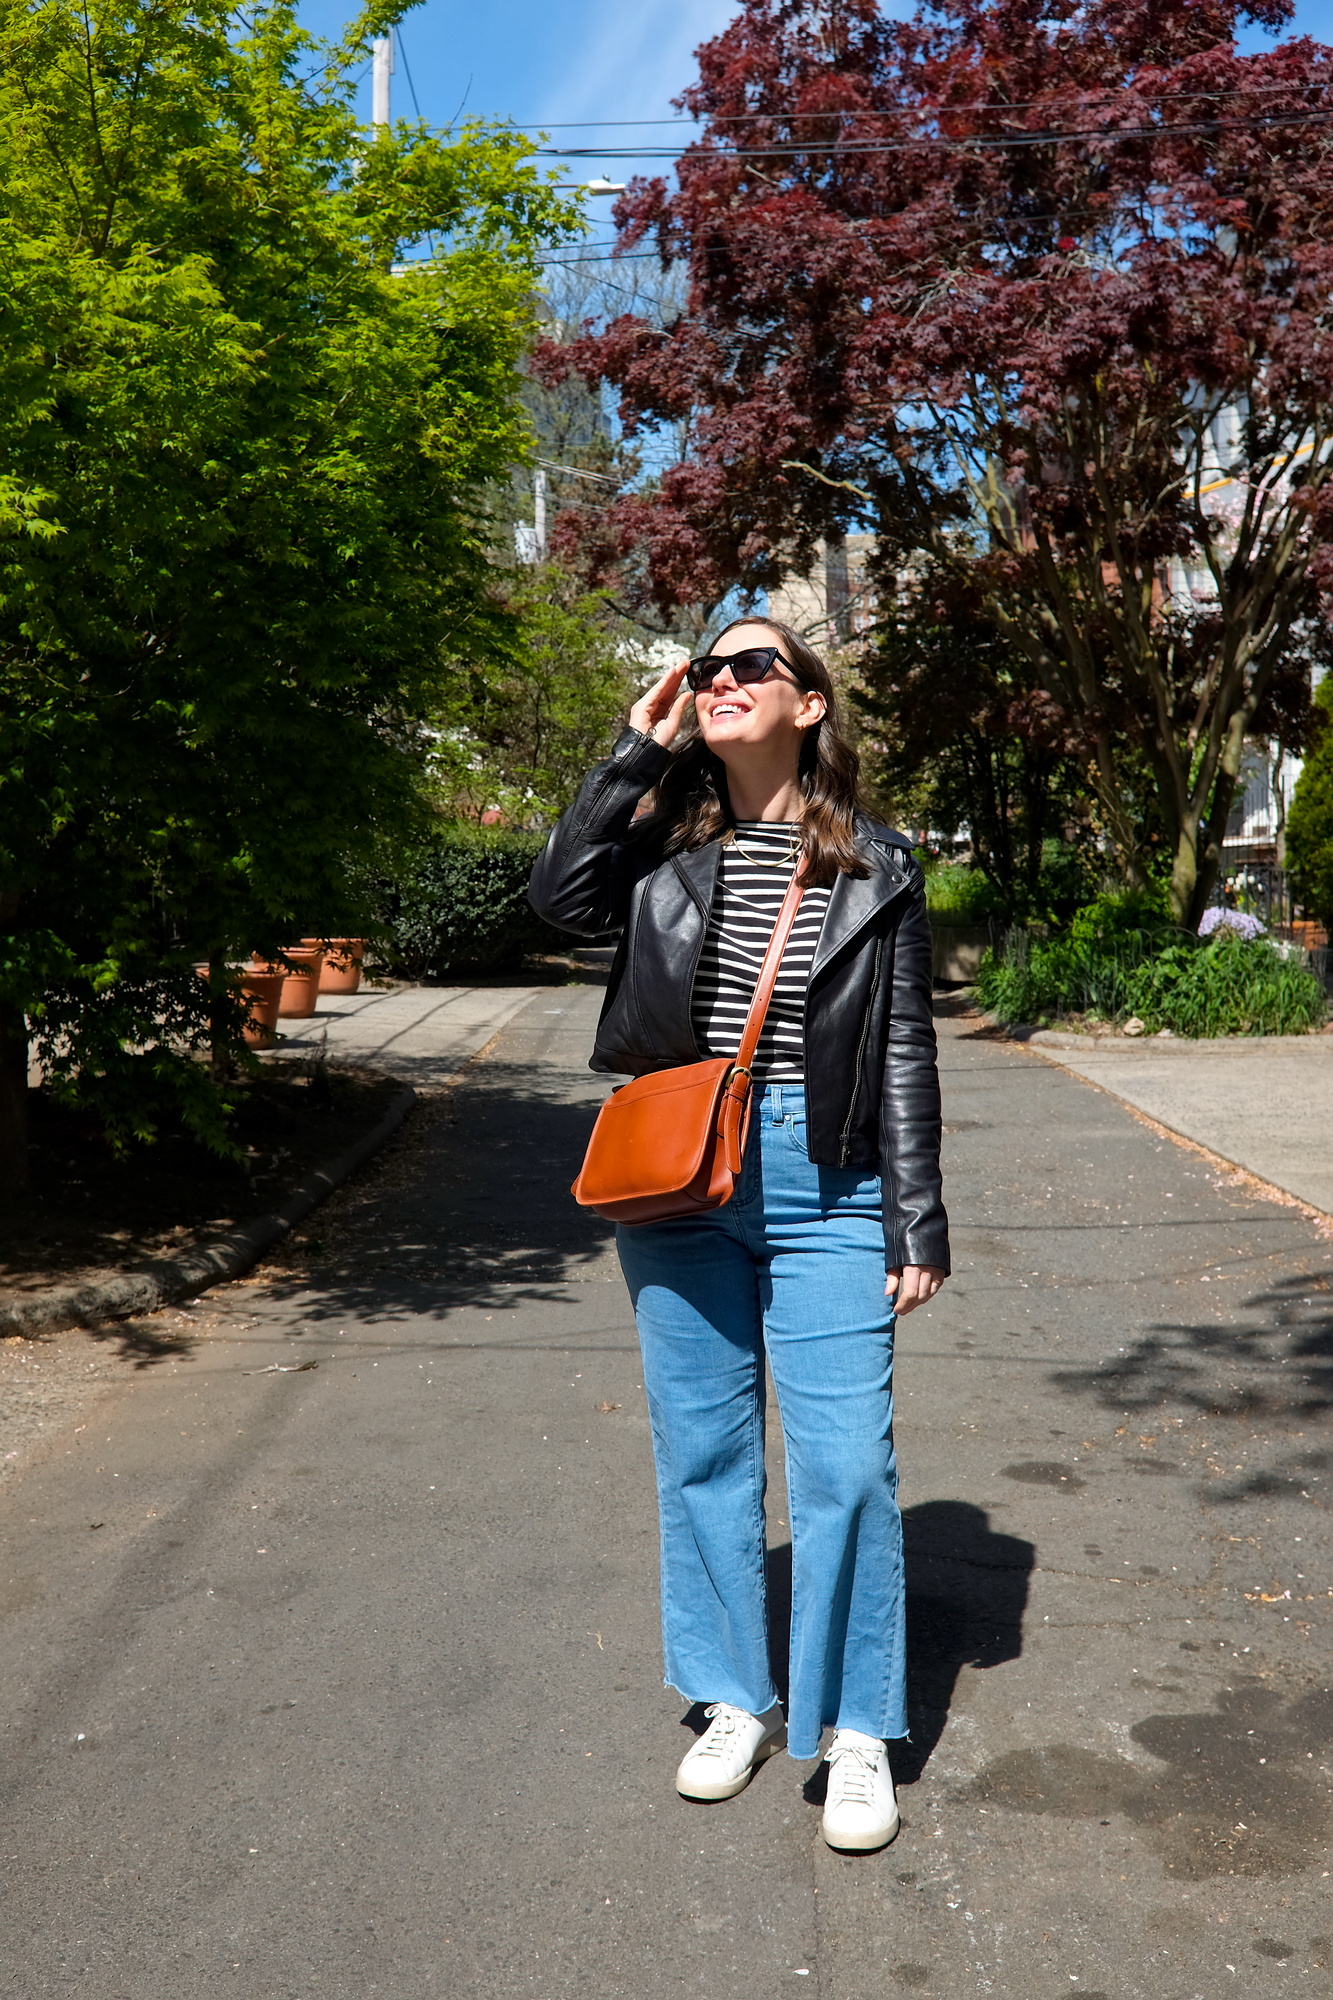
[{"x": 652, "y": 1136}]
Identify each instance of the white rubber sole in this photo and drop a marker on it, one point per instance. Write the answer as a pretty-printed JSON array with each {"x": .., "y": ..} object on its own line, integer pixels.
[{"x": 866, "y": 1843}]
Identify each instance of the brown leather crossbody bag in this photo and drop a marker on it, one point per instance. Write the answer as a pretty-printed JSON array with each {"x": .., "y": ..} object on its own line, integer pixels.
[{"x": 671, "y": 1143}]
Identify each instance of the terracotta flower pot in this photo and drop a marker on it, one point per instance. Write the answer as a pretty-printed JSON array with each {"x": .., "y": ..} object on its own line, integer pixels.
[
  {"x": 300, "y": 991},
  {"x": 301, "y": 980},
  {"x": 261, "y": 988},
  {"x": 342, "y": 964}
]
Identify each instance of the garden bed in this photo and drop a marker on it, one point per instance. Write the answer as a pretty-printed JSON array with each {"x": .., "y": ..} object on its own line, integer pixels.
[
  {"x": 1122, "y": 965},
  {"x": 89, "y": 1215}
]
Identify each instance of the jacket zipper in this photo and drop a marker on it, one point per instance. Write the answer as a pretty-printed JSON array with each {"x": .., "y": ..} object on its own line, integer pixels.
[{"x": 845, "y": 1145}]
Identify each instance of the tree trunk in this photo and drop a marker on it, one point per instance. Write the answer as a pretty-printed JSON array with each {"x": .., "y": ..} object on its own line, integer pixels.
[
  {"x": 13, "y": 1077},
  {"x": 1184, "y": 872},
  {"x": 1198, "y": 857},
  {"x": 221, "y": 1061},
  {"x": 13, "y": 1100}
]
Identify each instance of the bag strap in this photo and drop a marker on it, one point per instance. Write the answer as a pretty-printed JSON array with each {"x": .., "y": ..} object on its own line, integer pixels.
[
  {"x": 735, "y": 1107},
  {"x": 768, "y": 972}
]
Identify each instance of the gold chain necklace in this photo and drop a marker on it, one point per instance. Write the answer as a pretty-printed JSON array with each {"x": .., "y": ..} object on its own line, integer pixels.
[
  {"x": 739, "y": 895},
  {"x": 787, "y": 860}
]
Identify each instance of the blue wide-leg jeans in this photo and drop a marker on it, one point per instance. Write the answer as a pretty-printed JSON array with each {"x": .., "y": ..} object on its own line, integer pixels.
[{"x": 792, "y": 1265}]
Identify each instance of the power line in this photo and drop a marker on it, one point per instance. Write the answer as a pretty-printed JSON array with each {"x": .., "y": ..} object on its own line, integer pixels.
[
  {"x": 777, "y": 117},
  {"x": 575, "y": 263},
  {"x": 985, "y": 227},
  {"x": 407, "y": 72},
  {"x": 577, "y": 472},
  {"x": 848, "y": 148}
]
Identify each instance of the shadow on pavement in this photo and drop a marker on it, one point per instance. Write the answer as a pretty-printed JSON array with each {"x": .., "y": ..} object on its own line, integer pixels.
[
  {"x": 967, "y": 1590},
  {"x": 144, "y": 1341},
  {"x": 1280, "y": 1366},
  {"x": 471, "y": 1209}
]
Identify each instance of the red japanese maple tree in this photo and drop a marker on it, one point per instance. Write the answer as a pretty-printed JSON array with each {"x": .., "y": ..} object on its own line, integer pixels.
[{"x": 1043, "y": 290}]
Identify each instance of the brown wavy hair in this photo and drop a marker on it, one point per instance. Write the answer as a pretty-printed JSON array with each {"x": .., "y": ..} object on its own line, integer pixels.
[{"x": 691, "y": 805}]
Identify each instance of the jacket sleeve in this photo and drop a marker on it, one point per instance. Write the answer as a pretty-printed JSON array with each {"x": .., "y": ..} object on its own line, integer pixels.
[
  {"x": 581, "y": 882},
  {"x": 916, "y": 1228}
]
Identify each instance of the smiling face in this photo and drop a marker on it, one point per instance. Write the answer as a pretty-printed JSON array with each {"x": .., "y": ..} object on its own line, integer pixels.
[{"x": 762, "y": 718}]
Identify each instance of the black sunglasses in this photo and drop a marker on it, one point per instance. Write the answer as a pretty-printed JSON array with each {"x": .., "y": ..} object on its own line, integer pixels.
[{"x": 754, "y": 664}]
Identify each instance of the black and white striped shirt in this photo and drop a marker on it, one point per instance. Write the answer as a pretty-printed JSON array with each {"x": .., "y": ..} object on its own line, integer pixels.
[{"x": 755, "y": 869}]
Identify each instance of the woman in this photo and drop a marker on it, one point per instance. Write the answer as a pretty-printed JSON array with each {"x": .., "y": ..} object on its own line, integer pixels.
[{"x": 836, "y": 1226}]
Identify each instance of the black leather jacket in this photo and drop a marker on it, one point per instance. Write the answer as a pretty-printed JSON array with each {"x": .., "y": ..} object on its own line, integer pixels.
[{"x": 871, "y": 1086}]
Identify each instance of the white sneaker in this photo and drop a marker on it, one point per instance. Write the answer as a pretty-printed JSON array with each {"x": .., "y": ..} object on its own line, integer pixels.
[
  {"x": 725, "y": 1758},
  {"x": 860, "y": 1811}
]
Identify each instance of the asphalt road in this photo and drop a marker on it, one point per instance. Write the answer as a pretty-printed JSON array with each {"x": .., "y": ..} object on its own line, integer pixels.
[{"x": 344, "y": 1681}]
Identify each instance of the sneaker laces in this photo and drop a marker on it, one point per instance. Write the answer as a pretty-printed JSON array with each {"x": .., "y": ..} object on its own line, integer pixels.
[
  {"x": 852, "y": 1772},
  {"x": 724, "y": 1721}
]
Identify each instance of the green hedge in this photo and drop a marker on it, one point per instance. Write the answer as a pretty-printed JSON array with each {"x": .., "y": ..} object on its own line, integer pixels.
[
  {"x": 457, "y": 901},
  {"x": 957, "y": 893},
  {"x": 1121, "y": 959}
]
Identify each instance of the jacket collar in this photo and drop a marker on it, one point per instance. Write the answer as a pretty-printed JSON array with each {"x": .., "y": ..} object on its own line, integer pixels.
[{"x": 853, "y": 900}]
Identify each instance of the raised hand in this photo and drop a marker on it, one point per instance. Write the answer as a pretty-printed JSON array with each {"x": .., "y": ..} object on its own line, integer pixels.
[{"x": 660, "y": 712}]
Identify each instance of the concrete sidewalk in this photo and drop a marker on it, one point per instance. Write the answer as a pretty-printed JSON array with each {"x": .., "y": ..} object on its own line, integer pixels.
[
  {"x": 421, "y": 1034},
  {"x": 1262, "y": 1102}
]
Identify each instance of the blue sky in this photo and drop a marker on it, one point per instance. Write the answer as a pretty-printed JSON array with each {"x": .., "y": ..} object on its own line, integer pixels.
[{"x": 546, "y": 63}]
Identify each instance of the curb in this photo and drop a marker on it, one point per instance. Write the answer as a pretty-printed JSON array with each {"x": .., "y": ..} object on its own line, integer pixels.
[{"x": 169, "y": 1278}]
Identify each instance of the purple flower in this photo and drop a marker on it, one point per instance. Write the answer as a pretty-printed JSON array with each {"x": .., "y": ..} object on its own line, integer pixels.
[{"x": 1234, "y": 920}]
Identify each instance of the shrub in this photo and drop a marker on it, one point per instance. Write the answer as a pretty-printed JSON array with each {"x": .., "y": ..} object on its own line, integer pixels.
[
  {"x": 1030, "y": 977},
  {"x": 1133, "y": 919},
  {"x": 960, "y": 894},
  {"x": 1121, "y": 957},
  {"x": 457, "y": 901},
  {"x": 130, "y": 1052},
  {"x": 1086, "y": 971},
  {"x": 1229, "y": 985}
]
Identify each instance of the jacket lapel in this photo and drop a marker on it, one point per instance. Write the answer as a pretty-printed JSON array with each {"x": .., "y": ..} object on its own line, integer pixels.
[
  {"x": 698, "y": 871},
  {"x": 854, "y": 901}
]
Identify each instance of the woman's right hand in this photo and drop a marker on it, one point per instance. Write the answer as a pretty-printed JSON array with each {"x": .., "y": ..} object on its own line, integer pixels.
[{"x": 660, "y": 712}]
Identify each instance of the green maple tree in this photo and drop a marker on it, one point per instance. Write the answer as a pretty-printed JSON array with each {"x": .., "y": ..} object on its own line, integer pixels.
[{"x": 257, "y": 366}]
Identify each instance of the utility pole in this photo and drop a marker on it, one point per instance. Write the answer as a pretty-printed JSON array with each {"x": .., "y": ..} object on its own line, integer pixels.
[
  {"x": 539, "y": 512},
  {"x": 381, "y": 72}
]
